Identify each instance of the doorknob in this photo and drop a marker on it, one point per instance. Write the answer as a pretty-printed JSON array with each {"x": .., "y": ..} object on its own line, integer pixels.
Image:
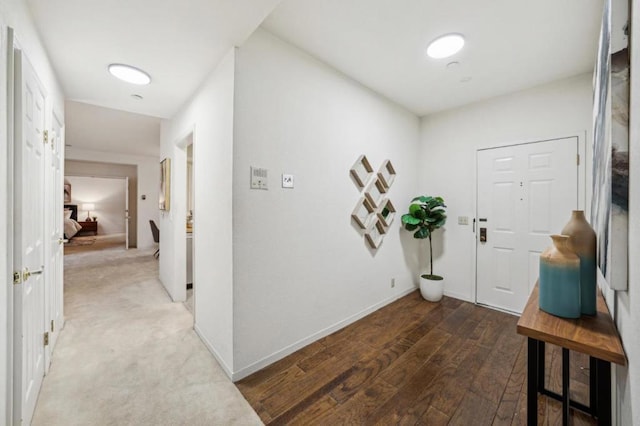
[{"x": 27, "y": 273}]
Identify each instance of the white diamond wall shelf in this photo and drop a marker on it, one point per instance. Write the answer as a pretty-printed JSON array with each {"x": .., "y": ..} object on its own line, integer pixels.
[
  {"x": 374, "y": 212},
  {"x": 363, "y": 214},
  {"x": 386, "y": 213},
  {"x": 375, "y": 235},
  {"x": 362, "y": 171},
  {"x": 375, "y": 192},
  {"x": 387, "y": 174}
]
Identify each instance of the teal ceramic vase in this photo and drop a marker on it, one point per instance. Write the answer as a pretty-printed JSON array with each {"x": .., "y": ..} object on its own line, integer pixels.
[
  {"x": 583, "y": 242},
  {"x": 559, "y": 282}
]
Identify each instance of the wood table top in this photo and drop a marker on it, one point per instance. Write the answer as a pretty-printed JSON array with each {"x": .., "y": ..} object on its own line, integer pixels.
[{"x": 595, "y": 335}]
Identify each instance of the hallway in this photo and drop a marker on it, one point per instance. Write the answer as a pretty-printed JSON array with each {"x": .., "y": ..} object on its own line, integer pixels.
[{"x": 128, "y": 355}]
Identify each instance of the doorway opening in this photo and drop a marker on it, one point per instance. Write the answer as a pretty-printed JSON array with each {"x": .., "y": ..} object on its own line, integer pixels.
[
  {"x": 101, "y": 209},
  {"x": 190, "y": 205},
  {"x": 108, "y": 192}
]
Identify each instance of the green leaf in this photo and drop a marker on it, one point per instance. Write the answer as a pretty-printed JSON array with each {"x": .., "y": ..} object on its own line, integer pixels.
[
  {"x": 410, "y": 227},
  {"x": 420, "y": 214},
  {"x": 413, "y": 208},
  {"x": 421, "y": 233},
  {"x": 407, "y": 218},
  {"x": 440, "y": 223}
]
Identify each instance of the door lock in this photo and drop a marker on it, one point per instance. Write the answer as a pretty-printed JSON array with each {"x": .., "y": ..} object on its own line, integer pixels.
[{"x": 483, "y": 235}]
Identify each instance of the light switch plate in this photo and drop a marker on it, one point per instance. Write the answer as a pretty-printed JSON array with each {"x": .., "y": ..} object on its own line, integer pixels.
[
  {"x": 463, "y": 220},
  {"x": 258, "y": 178},
  {"x": 287, "y": 181}
]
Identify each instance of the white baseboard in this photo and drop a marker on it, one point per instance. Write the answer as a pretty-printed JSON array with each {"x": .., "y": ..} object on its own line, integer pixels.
[
  {"x": 459, "y": 296},
  {"x": 270, "y": 359},
  {"x": 215, "y": 354}
]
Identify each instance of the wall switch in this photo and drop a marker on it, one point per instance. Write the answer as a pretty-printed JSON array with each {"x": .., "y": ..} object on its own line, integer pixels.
[
  {"x": 258, "y": 178},
  {"x": 393, "y": 282},
  {"x": 287, "y": 181},
  {"x": 463, "y": 220}
]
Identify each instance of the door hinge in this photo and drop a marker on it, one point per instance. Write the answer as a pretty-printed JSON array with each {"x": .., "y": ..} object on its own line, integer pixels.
[
  {"x": 578, "y": 159},
  {"x": 52, "y": 326},
  {"x": 45, "y": 136},
  {"x": 46, "y": 338}
]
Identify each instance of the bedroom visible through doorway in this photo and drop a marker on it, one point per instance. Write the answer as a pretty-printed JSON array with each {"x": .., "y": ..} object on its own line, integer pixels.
[{"x": 96, "y": 213}]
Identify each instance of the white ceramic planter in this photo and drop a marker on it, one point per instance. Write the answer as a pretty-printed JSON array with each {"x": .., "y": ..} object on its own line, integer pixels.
[{"x": 431, "y": 290}]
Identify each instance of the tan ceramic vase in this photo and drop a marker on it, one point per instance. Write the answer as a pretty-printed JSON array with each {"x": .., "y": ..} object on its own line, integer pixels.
[
  {"x": 559, "y": 284},
  {"x": 583, "y": 243}
]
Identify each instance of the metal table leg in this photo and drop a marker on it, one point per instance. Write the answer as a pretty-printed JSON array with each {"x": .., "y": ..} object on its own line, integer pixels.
[
  {"x": 532, "y": 381},
  {"x": 603, "y": 392},
  {"x": 565, "y": 387}
]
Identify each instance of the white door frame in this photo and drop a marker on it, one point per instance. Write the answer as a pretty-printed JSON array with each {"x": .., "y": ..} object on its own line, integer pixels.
[
  {"x": 9, "y": 212},
  {"x": 582, "y": 190}
]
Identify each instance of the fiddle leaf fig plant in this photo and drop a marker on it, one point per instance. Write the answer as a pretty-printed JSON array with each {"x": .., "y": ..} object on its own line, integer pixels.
[{"x": 426, "y": 214}]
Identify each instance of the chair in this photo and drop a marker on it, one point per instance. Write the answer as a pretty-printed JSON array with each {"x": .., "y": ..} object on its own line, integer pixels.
[{"x": 156, "y": 237}]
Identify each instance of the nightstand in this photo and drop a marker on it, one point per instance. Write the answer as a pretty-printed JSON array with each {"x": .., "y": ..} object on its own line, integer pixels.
[{"x": 89, "y": 227}]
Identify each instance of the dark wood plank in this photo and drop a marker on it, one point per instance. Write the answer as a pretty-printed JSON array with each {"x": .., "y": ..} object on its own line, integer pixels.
[
  {"x": 360, "y": 406},
  {"x": 474, "y": 410},
  {"x": 411, "y": 362},
  {"x": 507, "y": 409}
]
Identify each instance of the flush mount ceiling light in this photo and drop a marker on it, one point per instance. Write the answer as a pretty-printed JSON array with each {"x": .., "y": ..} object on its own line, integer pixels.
[
  {"x": 129, "y": 74},
  {"x": 445, "y": 46}
]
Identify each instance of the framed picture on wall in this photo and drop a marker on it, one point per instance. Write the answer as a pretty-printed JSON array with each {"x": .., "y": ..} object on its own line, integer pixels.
[
  {"x": 165, "y": 184},
  {"x": 67, "y": 192}
]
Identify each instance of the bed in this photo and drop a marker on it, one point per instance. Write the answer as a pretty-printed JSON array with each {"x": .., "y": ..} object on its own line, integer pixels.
[{"x": 71, "y": 225}]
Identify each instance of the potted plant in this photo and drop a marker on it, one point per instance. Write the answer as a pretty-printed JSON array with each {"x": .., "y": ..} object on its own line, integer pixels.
[{"x": 426, "y": 214}]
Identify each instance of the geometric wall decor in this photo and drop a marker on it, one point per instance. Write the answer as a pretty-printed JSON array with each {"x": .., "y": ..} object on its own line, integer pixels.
[
  {"x": 387, "y": 174},
  {"x": 374, "y": 212},
  {"x": 375, "y": 235},
  {"x": 364, "y": 213},
  {"x": 386, "y": 213},
  {"x": 361, "y": 171},
  {"x": 375, "y": 192}
]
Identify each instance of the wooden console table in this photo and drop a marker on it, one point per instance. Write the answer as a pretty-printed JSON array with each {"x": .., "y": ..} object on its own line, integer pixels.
[
  {"x": 89, "y": 227},
  {"x": 595, "y": 336}
]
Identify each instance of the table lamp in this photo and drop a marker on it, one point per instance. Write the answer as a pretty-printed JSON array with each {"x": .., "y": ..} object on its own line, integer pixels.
[{"x": 88, "y": 207}]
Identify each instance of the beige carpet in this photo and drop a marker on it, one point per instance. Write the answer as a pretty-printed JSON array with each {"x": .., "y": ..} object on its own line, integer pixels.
[{"x": 129, "y": 356}]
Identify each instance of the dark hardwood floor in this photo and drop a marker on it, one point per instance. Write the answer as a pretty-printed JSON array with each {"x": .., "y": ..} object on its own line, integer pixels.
[{"x": 413, "y": 363}]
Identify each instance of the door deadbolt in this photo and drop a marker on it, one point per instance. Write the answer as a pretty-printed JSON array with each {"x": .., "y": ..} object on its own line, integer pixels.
[{"x": 483, "y": 235}]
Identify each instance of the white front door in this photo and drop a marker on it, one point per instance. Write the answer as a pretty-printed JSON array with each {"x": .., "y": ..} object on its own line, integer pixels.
[
  {"x": 54, "y": 189},
  {"x": 525, "y": 193},
  {"x": 29, "y": 238}
]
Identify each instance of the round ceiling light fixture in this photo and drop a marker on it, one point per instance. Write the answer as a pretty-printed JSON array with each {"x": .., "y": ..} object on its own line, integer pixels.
[
  {"x": 129, "y": 74},
  {"x": 445, "y": 46}
]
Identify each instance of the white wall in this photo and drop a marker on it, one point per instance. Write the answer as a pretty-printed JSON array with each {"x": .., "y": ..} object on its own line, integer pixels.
[
  {"x": 301, "y": 268},
  {"x": 105, "y": 129},
  {"x": 627, "y": 304},
  {"x": 448, "y": 152},
  {"x": 148, "y": 184},
  {"x": 108, "y": 197},
  {"x": 209, "y": 115},
  {"x": 14, "y": 13}
]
